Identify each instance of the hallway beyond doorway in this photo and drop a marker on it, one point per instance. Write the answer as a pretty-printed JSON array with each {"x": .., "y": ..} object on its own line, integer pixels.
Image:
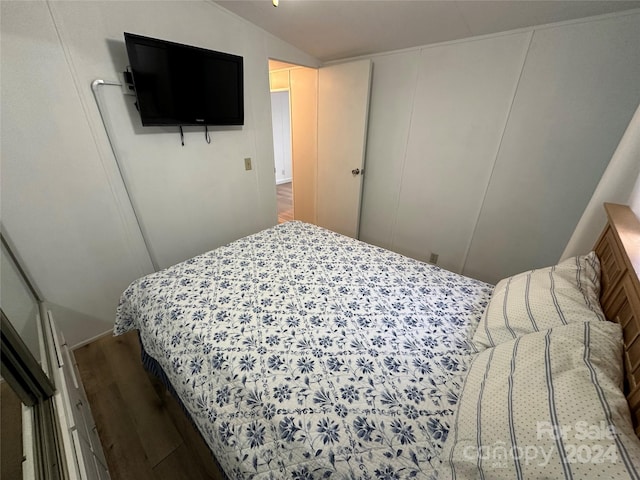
[{"x": 285, "y": 202}]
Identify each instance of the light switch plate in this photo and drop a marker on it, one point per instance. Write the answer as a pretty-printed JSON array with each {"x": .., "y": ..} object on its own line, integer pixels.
[{"x": 247, "y": 163}]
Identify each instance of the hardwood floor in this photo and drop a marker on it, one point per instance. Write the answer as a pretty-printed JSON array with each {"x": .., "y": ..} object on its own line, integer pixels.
[
  {"x": 285, "y": 202},
  {"x": 144, "y": 433}
]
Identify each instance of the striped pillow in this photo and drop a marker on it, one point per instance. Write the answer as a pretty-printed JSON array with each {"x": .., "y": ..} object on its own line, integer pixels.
[
  {"x": 554, "y": 399},
  {"x": 541, "y": 299}
]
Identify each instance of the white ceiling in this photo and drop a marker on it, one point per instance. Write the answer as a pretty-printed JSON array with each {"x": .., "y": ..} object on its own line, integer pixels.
[{"x": 335, "y": 29}]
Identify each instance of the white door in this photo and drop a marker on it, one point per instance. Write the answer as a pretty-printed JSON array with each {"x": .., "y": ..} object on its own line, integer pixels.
[
  {"x": 281, "y": 121},
  {"x": 343, "y": 110}
]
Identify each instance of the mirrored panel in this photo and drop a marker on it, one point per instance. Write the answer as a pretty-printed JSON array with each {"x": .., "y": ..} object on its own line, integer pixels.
[
  {"x": 28, "y": 430},
  {"x": 19, "y": 303}
]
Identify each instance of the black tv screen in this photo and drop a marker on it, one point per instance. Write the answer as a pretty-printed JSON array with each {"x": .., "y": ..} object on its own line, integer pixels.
[{"x": 178, "y": 84}]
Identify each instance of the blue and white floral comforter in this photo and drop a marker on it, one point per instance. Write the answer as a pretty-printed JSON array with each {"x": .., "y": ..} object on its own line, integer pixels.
[{"x": 303, "y": 354}]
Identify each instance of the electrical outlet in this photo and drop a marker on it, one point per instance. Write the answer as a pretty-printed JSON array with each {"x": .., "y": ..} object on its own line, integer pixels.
[
  {"x": 247, "y": 163},
  {"x": 433, "y": 258}
]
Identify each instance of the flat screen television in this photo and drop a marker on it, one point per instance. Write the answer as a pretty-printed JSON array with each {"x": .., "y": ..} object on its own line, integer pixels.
[{"x": 179, "y": 84}]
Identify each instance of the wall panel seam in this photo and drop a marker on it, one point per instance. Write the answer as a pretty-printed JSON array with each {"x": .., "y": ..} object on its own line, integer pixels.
[
  {"x": 392, "y": 234},
  {"x": 495, "y": 158}
]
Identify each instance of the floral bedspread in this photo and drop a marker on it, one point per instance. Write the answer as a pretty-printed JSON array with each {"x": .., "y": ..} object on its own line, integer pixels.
[{"x": 303, "y": 354}]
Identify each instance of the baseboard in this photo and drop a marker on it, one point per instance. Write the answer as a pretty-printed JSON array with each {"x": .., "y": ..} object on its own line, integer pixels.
[
  {"x": 92, "y": 339},
  {"x": 284, "y": 180}
]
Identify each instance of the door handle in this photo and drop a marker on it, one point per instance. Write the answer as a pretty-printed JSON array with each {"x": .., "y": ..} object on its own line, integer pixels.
[{"x": 357, "y": 171}]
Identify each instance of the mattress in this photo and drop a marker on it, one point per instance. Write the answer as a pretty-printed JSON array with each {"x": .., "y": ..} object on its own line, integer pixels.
[{"x": 300, "y": 353}]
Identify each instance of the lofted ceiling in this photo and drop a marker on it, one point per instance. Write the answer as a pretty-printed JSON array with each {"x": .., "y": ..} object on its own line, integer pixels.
[{"x": 336, "y": 29}]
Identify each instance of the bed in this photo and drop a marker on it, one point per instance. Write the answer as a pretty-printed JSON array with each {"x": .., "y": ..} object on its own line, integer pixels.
[{"x": 300, "y": 354}]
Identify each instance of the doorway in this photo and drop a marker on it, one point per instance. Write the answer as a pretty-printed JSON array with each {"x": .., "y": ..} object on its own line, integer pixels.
[
  {"x": 294, "y": 121},
  {"x": 281, "y": 123},
  {"x": 328, "y": 112}
]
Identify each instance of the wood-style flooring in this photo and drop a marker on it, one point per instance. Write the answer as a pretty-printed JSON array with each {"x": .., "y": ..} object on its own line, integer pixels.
[
  {"x": 144, "y": 433},
  {"x": 285, "y": 202}
]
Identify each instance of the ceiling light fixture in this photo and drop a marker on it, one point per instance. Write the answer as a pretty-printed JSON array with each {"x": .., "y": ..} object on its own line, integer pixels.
[{"x": 275, "y": 2}]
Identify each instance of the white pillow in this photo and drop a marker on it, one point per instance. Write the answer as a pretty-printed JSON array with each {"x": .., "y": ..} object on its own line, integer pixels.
[
  {"x": 547, "y": 396},
  {"x": 541, "y": 299}
]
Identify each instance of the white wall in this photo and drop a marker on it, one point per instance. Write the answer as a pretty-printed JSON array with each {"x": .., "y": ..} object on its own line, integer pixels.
[
  {"x": 460, "y": 106},
  {"x": 619, "y": 184},
  {"x": 487, "y": 150},
  {"x": 634, "y": 198},
  {"x": 63, "y": 203}
]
